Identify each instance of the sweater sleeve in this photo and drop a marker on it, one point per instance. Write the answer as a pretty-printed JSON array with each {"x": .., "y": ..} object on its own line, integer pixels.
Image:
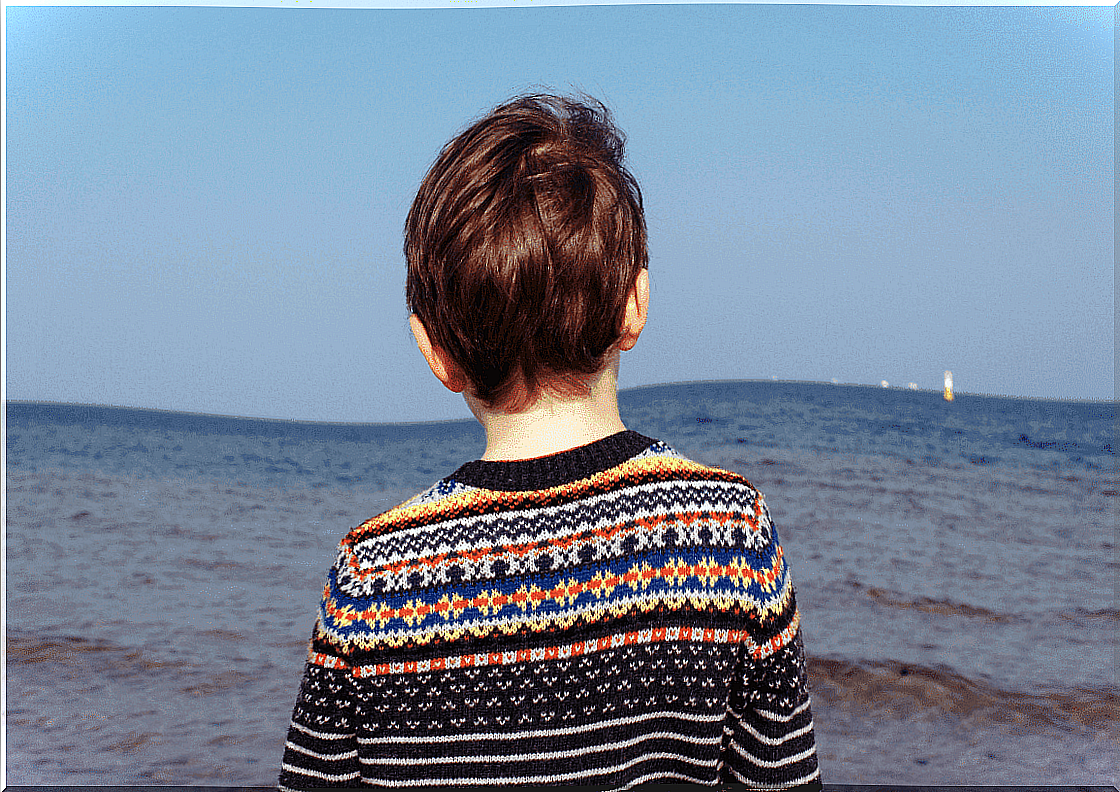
[
  {"x": 322, "y": 748},
  {"x": 768, "y": 735},
  {"x": 768, "y": 739}
]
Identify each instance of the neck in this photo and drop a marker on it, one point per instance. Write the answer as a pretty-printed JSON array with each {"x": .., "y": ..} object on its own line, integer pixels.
[{"x": 552, "y": 425}]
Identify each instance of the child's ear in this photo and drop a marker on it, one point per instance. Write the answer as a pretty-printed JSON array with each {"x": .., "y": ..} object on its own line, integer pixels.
[
  {"x": 441, "y": 365},
  {"x": 637, "y": 308}
]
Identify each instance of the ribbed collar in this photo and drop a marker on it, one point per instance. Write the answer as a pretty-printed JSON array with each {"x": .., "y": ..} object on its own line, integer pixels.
[{"x": 556, "y": 469}]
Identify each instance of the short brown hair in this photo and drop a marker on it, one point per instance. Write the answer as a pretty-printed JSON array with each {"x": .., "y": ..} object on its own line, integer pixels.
[{"x": 523, "y": 243}]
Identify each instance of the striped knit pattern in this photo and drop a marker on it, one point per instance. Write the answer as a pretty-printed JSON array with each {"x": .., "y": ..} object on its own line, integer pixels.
[{"x": 609, "y": 616}]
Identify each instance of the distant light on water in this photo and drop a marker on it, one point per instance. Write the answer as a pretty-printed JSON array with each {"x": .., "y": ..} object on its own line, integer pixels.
[{"x": 884, "y": 384}]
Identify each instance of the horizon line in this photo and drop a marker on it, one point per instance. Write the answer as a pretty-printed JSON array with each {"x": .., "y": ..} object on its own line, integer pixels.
[{"x": 775, "y": 381}]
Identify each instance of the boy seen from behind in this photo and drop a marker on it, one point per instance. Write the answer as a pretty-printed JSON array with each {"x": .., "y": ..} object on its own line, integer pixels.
[{"x": 581, "y": 605}]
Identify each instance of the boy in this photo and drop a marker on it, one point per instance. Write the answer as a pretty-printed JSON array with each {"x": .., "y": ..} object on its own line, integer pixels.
[{"x": 582, "y": 605}]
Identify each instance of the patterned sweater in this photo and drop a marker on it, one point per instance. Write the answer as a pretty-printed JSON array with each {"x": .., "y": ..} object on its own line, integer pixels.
[{"x": 607, "y": 616}]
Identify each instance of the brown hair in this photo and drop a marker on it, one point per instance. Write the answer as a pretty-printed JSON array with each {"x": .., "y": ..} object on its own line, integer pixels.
[{"x": 523, "y": 243}]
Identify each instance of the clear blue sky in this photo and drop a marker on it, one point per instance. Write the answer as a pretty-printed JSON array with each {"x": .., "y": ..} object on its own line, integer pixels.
[{"x": 205, "y": 205}]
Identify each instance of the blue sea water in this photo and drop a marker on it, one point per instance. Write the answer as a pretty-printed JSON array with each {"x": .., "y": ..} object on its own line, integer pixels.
[
  {"x": 954, "y": 562},
  {"x": 985, "y": 430}
]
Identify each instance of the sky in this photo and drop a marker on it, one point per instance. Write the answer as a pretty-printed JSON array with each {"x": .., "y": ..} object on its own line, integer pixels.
[{"x": 204, "y": 206}]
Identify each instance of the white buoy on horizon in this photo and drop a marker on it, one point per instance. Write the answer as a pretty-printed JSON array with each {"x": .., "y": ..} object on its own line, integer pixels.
[
  {"x": 948, "y": 386},
  {"x": 885, "y": 384},
  {"x": 912, "y": 385}
]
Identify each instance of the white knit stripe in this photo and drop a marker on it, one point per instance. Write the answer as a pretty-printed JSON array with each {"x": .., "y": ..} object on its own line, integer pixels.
[
  {"x": 497, "y": 759},
  {"x": 538, "y": 779},
  {"x": 315, "y": 774},
  {"x": 663, "y": 777},
  {"x": 325, "y": 757},
  {"x": 469, "y": 529},
  {"x": 762, "y": 738},
  {"x": 522, "y": 735},
  {"x": 762, "y": 763},
  {"x": 813, "y": 776},
  {"x": 321, "y": 735}
]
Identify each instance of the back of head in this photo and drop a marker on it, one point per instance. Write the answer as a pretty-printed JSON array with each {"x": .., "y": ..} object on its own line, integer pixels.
[{"x": 522, "y": 245}]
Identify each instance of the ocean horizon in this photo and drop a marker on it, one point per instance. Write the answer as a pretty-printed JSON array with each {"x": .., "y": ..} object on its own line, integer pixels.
[{"x": 204, "y": 414}]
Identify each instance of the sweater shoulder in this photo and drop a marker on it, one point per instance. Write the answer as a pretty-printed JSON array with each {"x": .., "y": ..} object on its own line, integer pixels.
[
  {"x": 449, "y": 499},
  {"x": 663, "y": 458}
]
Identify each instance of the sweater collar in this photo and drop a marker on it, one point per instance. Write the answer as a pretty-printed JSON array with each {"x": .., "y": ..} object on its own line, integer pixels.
[{"x": 555, "y": 469}]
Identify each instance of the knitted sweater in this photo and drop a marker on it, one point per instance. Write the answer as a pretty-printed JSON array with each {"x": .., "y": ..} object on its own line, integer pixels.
[{"x": 607, "y": 616}]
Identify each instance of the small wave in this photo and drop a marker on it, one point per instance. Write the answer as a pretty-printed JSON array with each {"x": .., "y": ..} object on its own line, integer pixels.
[
  {"x": 896, "y": 688},
  {"x": 1105, "y": 614},
  {"x": 73, "y": 650},
  {"x": 944, "y": 607},
  {"x": 928, "y": 605},
  {"x": 132, "y": 742},
  {"x": 219, "y": 683},
  {"x": 1060, "y": 446},
  {"x": 211, "y": 565}
]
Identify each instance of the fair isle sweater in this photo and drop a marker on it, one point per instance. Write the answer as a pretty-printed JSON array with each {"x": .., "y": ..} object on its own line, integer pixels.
[{"x": 607, "y": 616}]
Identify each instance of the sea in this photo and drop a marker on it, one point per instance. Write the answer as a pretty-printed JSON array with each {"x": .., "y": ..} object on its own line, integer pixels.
[{"x": 954, "y": 561}]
